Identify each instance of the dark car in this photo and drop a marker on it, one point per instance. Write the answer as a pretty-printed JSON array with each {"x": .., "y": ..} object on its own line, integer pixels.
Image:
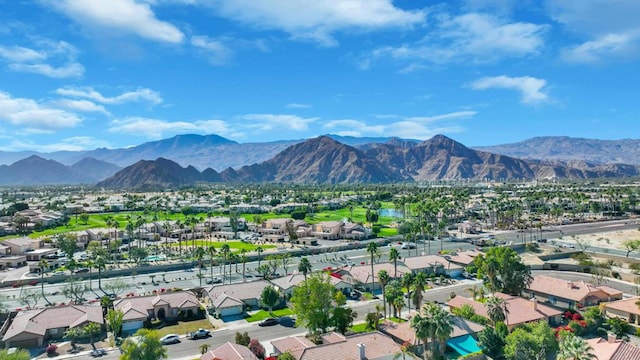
[
  {"x": 269, "y": 322},
  {"x": 214, "y": 280},
  {"x": 98, "y": 352},
  {"x": 82, "y": 270}
]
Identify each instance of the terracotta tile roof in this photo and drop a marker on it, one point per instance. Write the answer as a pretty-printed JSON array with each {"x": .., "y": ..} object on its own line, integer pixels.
[
  {"x": 404, "y": 332},
  {"x": 241, "y": 291},
  {"x": 614, "y": 349},
  {"x": 295, "y": 345},
  {"x": 427, "y": 261},
  {"x": 229, "y": 351},
  {"x": 465, "y": 257},
  {"x": 362, "y": 273},
  {"x": 377, "y": 345},
  {"x": 626, "y": 305},
  {"x": 520, "y": 310},
  {"x": 37, "y": 322},
  {"x": 572, "y": 290}
]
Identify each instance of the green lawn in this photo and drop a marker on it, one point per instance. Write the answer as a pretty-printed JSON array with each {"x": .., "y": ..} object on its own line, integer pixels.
[
  {"x": 387, "y": 231},
  {"x": 234, "y": 245},
  {"x": 263, "y": 314},
  {"x": 360, "y": 328},
  {"x": 396, "y": 320},
  {"x": 184, "y": 327}
]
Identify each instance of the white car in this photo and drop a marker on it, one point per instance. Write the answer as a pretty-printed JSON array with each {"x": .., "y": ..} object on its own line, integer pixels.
[
  {"x": 408, "y": 246},
  {"x": 170, "y": 339}
]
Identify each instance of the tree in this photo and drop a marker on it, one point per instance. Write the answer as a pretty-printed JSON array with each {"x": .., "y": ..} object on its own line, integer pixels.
[
  {"x": 394, "y": 256},
  {"x": 74, "y": 290},
  {"x": 92, "y": 330},
  {"x": 67, "y": 243},
  {"x": 144, "y": 346},
  {"x": 18, "y": 354},
  {"x": 225, "y": 249},
  {"x": 242, "y": 338},
  {"x": 492, "y": 340},
  {"x": 44, "y": 266},
  {"x": 286, "y": 356},
  {"x": 531, "y": 341},
  {"x": 211, "y": 251},
  {"x": 497, "y": 309},
  {"x": 115, "y": 287},
  {"x": 393, "y": 292},
  {"x": 419, "y": 285},
  {"x": 372, "y": 249},
  {"x": 270, "y": 297},
  {"x": 372, "y": 319},
  {"x": 383, "y": 279},
  {"x": 342, "y": 318},
  {"x": 84, "y": 218},
  {"x": 504, "y": 270},
  {"x": 259, "y": 250},
  {"x": 256, "y": 348},
  {"x": 304, "y": 266},
  {"x": 264, "y": 270},
  {"x": 573, "y": 347},
  {"x": 312, "y": 302},
  {"x": 114, "y": 319},
  {"x": 29, "y": 298},
  {"x": 99, "y": 263},
  {"x": 407, "y": 283},
  {"x": 200, "y": 253},
  {"x": 435, "y": 324},
  {"x": 630, "y": 246},
  {"x": 138, "y": 254}
]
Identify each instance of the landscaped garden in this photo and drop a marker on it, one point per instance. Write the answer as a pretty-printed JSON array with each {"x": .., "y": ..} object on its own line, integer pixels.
[{"x": 263, "y": 314}]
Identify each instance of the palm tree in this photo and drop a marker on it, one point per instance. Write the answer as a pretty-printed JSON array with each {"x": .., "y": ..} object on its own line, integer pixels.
[
  {"x": 259, "y": 250},
  {"x": 243, "y": 259},
  {"x": 99, "y": 263},
  {"x": 442, "y": 327},
  {"x": 211, "y": 250},
  {"x": 225, "y": 250},
  {"x": 200, "y": 253},
  {"x": 573, "y": 347},
  {"x": 304, "y": 266},
  {"x": 372, "y": 249},
  {"x": 497, "y": 309},
  {"x": 419, "y": 285},
  {"x": 407, "y": 282},
  {"x": 383, "y": 278},
  {"x": 394, "y": 256},
  {"x": 436, "y": 324},
  {"x": 43, "y": 265}
]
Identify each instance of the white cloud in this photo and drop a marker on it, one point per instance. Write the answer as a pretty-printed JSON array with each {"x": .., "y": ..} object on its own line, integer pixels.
[
  {"x": 610, "y": 29},
  {"x": 139, "y": 95},
  {"x": 472, "y": 37},
  {"x": 316, "y": 20},
  {"x": 297, "y": 106},
  {"x": 77, "y": 143},
  {"x": 41, "y": 60},
  {"x": 418, "y": 127},
  {"x": 531, "y": 89},
  {"x": 80, "y": 105},
  {"x": 216, "y": 50},
  {"x": 156, "y": 129},
  {"x": 123, "y": 16},
  {"x": 32, "y": 116},
  {"x": 270, "y": 121}
]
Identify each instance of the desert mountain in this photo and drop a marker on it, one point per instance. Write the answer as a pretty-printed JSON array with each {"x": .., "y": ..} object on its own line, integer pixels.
[
  {"x": 94, "y": 169},
  {"x": 35, "y": 170},
  {"x": 626, "y": 151},
  {"x": 153, "y": 174}
]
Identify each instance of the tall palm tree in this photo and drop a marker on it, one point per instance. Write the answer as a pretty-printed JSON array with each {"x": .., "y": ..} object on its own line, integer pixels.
[
  {"x": 442, "y": 327},
  {"x": 573, "y": 347},
  {"x": 243, "y": 259},
  {"x": 259, "y": 250},
  {"x": 99, "y": 263},
  {"x": 225, "y": 250},
  {"x": 44, "y": 266},
  {"x": 497, "y": 309},
  {"x": 407, "y": 283},
  {"x": 200, "y": 252},
  {"x": 419, "y": 285},
  {"x": 211, "y": 251},
  {"x": 372, "y": 249},
  {"x": 383, "y": 278},
  {"x": 304, "y": 266},
  {"x": 394, "y": 256}
]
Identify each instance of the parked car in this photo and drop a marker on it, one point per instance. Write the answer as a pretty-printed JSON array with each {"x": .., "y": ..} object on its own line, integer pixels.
[
  {"x": 269, "y": 322},
  {"x": 98, "y": 352},
  {"x": 170, "y": 339},
  {"x": 199, "y": 334},
  {"x": 82, "y": 270},
  {"x": 214, "y": 280},
  {"x": 408, "y": 246},
  {"x": 57, "y": 273}
]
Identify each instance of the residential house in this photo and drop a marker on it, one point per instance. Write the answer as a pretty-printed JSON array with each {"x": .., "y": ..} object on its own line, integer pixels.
[
  {"x": 568, "y": 294},
  {"x": 432, "y": 264},
  {"x": 169, "y": 305},
  {"x": 223, "y": 223},
  {"x": 353, "y": 231},
  {"x": 229, "y": 351},
  {"x": 359, "y": 276},
  {"x": 327, "y": 230},
  {"x": 276, "y": 226},
  {"x": 626, "y": 309},
  {"x": 22, "y": 245},
  {"x": 463, "y": 258},
  {"x": 224, "y": 300},
  {"x": 612, "y": 349},
  {"x": 14, "y": 261},
  {"x": 287, "y": 283},
  {"x": 34, "y": 328},
  {"x": 364, "y": 346},
  {"x": 294, "y": 345},
  {"x": 519, "y": 310}
]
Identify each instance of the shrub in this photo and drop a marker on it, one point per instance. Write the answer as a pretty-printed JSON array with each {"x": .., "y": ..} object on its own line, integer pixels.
[
  {"x": 51, "y": 349},
  {"x": 256, "y": 348},
  {"x": 242, "y": 339}
]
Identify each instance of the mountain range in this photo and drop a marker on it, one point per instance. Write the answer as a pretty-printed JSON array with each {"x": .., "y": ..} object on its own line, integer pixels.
[
  {"x": 323, "y": 160},
  {"x": 326, "y": 159}
]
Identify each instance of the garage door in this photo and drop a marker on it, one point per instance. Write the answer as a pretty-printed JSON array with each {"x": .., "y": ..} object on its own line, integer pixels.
[
  {"x": 25, "y": 344},
  {"x": 229, "y": 311},
  {"x": 132, "y": 326}
]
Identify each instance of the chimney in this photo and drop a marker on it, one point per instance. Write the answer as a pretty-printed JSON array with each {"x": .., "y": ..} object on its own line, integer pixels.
[
  {"x": 569, "y": 285},
  {"x": 611, "y": 338},
  {"x": 361, "y": 352},
  {"x": 534, "y": 304}
]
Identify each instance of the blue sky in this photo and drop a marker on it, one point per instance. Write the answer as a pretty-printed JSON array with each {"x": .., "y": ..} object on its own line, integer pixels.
[{"x": 81, "y": 74}]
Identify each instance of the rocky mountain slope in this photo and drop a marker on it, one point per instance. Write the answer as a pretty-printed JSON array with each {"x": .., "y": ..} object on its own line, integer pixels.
[{"x": 626, "y": 151}]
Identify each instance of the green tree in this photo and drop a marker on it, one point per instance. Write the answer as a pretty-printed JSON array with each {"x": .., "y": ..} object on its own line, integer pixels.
[
  {"x": 312, "y": 302},
  {"x": 114, "y": 319},
  {"x": 74, "y": 290},
  {"x": 497, "y": 309},
  {"x": 383, "y": 279},
  {"x": 286, "y": 356},
  {"x": 504, "y": 270},
  {"x": 99, "y": 263},
  {"x": 531, "y": 341},
  {"x": 304, "y": 266},
  {"x": 43, "y": 265},
  {"x": 434, "y": 324},
  {"x": 144, "y": 346},
  {"x": 67, "y": 243},
  {"x": 407, "y": 283},
  {"x": 270, "y": 297},
  {"x": 225, "y": 249},
  {"x": 393, "y": 294},
  {"x": 573, "y": 347},
  {"x": 200, "y": 254},
  {"x": 372, "y": 320},
  {"x": 372, "y": 249},
  {"x": 73, "y": 334},
  {"x": 342, "y": 318},
  {"x": 19, "y": 354},
  {"x": 242, "y": 338},
  {"x": 419, "y": 286},
  {"x": 91, "y": 330},
  {"x": 492, "y": 340},
  {"x": 115, "y": 287},
  {"x": 394, "y": 256},
  {"x": 84, "y": 218}
]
